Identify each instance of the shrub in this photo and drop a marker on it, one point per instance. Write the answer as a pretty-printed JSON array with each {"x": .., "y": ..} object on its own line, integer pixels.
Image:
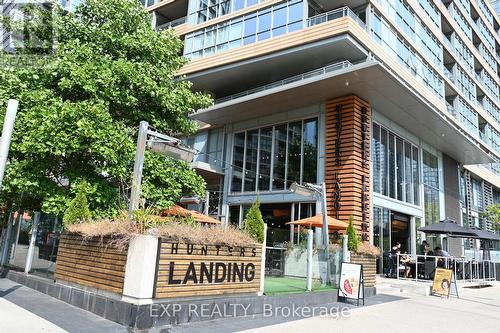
[
  {"x": 78, "y": 209},
  {"x": 368, "y": 249},
  {"x": 254, "y": 224},
  {"x": 352, "y": 237}
]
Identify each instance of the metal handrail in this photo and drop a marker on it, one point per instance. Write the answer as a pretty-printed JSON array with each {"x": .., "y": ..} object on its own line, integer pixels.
[
  {"x": 317, "y": 72},
  {"x": 476, "y": 268}
]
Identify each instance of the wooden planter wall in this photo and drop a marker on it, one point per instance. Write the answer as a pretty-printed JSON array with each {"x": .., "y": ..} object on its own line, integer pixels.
[
  {"x": 91, "y": 263},
  {"x": 369, "y": 267},
  {"x": 182, "y": 270}
]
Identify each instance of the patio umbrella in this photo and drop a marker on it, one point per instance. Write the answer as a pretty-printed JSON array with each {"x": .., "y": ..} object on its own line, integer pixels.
[
  {"x": 317, "y": 222},
  {"x": 183, "y": 212},
  {"x": 486, "y": 237},
  {"x": 448, "y": 227}
]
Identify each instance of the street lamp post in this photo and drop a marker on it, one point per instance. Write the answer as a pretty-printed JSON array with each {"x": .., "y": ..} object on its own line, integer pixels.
[
  {"x": 310, "y": 190},
  {"x": 159, "y": 143}
]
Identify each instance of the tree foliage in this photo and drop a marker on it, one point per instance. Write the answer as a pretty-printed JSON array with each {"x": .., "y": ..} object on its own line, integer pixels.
[
  {"x": 254, "y": 224},
  {"x": 78, "y": 209},
  {"x": 352, "y": 236},
  {"x": 492, "y": 214},
  {"x": 79, "y": 112}
]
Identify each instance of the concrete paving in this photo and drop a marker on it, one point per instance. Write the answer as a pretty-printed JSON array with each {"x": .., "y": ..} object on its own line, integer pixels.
[
  {"x": 26, "y": 310},
  {"x": 477, "y": 310}
]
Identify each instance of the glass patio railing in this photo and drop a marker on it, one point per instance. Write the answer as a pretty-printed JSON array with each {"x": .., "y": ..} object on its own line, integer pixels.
[{"x": 314, "y": 73}]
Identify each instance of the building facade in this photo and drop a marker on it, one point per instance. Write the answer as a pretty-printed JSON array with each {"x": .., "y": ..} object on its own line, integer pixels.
[{"x": 393, "y": 104}]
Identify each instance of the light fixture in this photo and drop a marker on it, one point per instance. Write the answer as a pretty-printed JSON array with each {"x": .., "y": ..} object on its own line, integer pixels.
[
  {"x": 170, "y": 147},
  {"x": 190, "y": 200},
  {"x": 302, "y": 190}
]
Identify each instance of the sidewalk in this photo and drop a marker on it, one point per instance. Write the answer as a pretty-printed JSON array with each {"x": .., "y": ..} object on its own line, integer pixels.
[
  {"x": 477, "y": 310},
  {"x": 26, "y": 310}
]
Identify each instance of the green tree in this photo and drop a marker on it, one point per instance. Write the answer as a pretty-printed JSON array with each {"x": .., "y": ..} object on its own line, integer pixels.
[
  {"x": 78, "y": 209},
  {"x": 492, "y": 214},
  {"x": 352, "y": 236},
  {"x": 254, "y": 224},
  {"x": 79, "y": 112}
]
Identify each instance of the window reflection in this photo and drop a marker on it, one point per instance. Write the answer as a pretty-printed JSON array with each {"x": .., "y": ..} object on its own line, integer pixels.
[
  {"x": 274, "y": 157},
  {"x": 266, "y": 23},
  {"x": 395, "y": 166}
]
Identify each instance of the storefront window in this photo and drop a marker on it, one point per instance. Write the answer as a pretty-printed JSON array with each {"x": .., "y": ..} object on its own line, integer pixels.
[
  {"x": 288, "y": 152},
  {"x": 310, "y": 151},
  {"x": 294, "y": 152},
  {"x": 280, "y": 142},
  {"x": 431, "y": 187},
  {"x": 266, "y": 143},
  {"x": 238, "y": 161},
  {"x": 376, "y": 157},
  {"x": 395, "y": 166},
  {"x": 252, "y": 146}
]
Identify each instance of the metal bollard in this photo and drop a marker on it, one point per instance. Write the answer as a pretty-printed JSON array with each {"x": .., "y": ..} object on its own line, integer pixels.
[{"x": 310, "y": 237}]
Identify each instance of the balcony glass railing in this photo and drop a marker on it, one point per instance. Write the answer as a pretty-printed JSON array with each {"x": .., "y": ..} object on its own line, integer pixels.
[
  {"x": 334, "y": 14},
  {"x": 448, "y": 74},
  {"x": 172, "y": 24},
  {"x": 317, "y": 72}
]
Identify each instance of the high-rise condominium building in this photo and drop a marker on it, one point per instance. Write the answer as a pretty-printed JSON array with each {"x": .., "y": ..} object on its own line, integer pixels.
[{"x": 393, "y": 104}]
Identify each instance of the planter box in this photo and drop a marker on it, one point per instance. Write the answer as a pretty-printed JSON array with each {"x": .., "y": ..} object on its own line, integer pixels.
[
  {"x": 151, "y": 267},
  {"x": 369, "y": 267},
  {"x": 92, "y": 262}
]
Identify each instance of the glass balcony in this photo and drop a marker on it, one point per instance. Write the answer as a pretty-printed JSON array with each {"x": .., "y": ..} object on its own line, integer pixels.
[
  {"x": 449, "y": 74},
  {"x": 317, "y": 72},
  {"x": 171, "y": 24},
  {"x": 333, "y": 15}
]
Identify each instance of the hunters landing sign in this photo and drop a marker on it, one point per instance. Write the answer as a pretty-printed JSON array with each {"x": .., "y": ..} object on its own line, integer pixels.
[
  {"x": 206, "y": 269},
  {"x": 347, "y": 169}
]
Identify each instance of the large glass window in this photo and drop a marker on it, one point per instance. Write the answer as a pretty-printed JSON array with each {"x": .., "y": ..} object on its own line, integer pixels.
[
  {"x": 294, "y": 151},
  {"x": 399, "y": 169},
  {"x": 263, "y": 24},
  {"x": 288, "y": 152},
  {"x": 398, "y": 48},
  {"x": 392, "y": 167},
  {"x": 200, "y": 11},
  {"x": 430, "y": 174},
  {"x": 238, "y": 161},
  {"x": 376, "y": 157},
  {"x": 252, "y": 146},
  {"x": 280, "y": 156},
  {"x": 310, "y": 151},
  {"x": 395, "y": 166},
  {"x": 266, "y": 143}
]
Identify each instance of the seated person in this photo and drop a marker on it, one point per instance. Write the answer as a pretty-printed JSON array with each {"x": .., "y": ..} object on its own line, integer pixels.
[
  {"x": 405, "y": 261},
  {"x": 441, "y": 253}
]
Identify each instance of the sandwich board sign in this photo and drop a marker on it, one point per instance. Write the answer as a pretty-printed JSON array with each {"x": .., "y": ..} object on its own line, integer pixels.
[
  {"x": 444, "y": 283},
  {"x": 351, "y": 284}
]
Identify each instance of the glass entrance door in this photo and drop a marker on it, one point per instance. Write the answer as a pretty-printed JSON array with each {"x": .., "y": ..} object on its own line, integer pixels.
[{"x": 400, "y": 231}]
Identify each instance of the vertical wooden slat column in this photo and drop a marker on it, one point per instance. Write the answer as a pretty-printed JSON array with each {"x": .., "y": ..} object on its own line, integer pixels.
[{"x": 347, "y": 167}]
